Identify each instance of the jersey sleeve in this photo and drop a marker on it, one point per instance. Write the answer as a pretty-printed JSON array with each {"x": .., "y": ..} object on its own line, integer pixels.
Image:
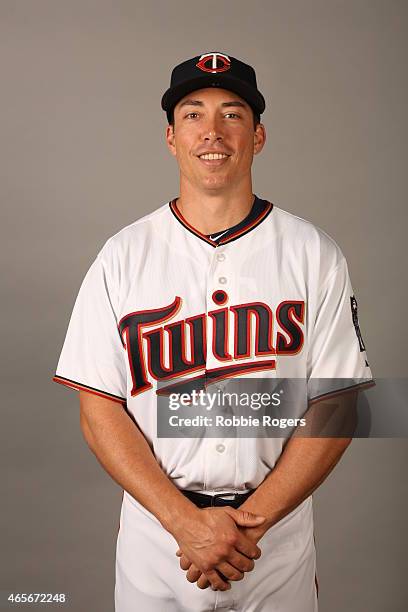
[
  {"x": 92, "y": 357},
  {"x": 337, "y": 358}
]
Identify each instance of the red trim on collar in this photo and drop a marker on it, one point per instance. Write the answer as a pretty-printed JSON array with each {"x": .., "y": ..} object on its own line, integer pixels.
[
  {"x": 231, "y": 237},
  {"x": 248, "y": 227},
  {"x": 188, "y": 225}
]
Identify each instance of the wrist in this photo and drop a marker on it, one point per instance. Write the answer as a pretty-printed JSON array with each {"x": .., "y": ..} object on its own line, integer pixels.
[
  {"x": 178, "y": 515},
  {"x": 259, "y": 509}
]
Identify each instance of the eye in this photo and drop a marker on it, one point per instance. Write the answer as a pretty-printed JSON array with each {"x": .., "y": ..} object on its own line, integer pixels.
[
  {"x": 191, "y": 115},
  {"x": 233, "y": 115}
]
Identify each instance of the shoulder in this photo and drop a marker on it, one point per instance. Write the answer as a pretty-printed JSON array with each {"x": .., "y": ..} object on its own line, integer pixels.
[
  {"x": 135, "y": 235},
  {"x": 307, "y": 238}
]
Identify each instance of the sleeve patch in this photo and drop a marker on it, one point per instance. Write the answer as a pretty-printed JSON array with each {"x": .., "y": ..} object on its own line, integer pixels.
[{"x": 354, "y": 314}]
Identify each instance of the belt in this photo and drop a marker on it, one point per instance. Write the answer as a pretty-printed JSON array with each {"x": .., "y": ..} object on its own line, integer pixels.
[{"x": 219, "y": 499}]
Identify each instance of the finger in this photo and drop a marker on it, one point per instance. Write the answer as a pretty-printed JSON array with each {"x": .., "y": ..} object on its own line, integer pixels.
[
  {"x": 217, "y": 582},
  {"x": 193, "y": 573},
  {"x": 245, "y": 546},
  {"x": 244, "y": 518},
  {"x": 229, "y": 572},
  {"x": 203, "y": 582},
  {"x": 240, "y": 562},
  {"x": 185, "y": 562}
]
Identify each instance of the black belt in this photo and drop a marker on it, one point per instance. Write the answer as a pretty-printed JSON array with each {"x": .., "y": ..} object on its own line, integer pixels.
[{"x": 219, "y": 499}]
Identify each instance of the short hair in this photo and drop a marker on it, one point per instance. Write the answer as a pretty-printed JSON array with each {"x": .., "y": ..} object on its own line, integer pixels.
[{"x": 256, "y": 117}]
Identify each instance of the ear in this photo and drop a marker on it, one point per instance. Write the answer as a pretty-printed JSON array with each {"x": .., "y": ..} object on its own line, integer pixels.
[
  {"x": 170, "y": 139},
  {"x": 259, "y": 138}
]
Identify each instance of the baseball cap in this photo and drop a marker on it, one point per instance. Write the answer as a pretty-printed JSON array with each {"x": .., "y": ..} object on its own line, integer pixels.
[{"x": 213, "y": 70}]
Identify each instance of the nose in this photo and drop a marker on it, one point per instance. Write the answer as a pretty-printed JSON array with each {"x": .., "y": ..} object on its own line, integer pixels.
[
  {"x": 213, "y": 136},
  {"x": 212, "y": 130}
]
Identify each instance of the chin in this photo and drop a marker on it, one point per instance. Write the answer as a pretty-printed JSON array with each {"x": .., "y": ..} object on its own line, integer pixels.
[
  {"x": 214, "y": 187},
  {"x": 215, "y": 182}
]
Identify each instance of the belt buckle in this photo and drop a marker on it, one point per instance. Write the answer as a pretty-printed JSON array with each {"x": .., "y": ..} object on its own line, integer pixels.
[{"x": 234, "y": 496}]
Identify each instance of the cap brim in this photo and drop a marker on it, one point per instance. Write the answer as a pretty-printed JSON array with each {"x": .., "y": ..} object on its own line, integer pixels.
[{"x": 251, "y": 95}]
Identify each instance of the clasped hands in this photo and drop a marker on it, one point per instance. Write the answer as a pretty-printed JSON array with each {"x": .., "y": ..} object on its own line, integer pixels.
[{"x": 219, "y": 544}]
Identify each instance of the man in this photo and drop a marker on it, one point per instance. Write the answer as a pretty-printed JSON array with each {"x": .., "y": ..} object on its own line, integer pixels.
[{"x": 216, "y": 284}]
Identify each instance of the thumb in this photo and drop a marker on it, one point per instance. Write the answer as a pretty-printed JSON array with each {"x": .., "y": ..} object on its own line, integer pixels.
[{"x": 244, "y": 518}]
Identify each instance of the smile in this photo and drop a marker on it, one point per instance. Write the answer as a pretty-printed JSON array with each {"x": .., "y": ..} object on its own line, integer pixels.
[{"x": 211, "y": 156}]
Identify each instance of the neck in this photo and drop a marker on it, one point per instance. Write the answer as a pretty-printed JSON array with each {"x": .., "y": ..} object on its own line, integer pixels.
[{"x": 213, "y": 212}]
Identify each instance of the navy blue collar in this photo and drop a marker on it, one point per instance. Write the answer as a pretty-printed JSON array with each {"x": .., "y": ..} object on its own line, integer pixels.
[{"x": 259, "y": 211}]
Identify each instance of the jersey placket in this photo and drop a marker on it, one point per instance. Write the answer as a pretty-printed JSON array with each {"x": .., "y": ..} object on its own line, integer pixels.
[{"x": 220, "y": 452}]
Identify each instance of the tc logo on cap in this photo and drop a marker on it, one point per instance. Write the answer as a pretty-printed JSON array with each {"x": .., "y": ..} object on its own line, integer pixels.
[{"x": 214, "y": 62}]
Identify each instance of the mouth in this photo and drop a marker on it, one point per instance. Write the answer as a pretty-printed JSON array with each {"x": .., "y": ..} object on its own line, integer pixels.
[{"x": 213, "y": 159}]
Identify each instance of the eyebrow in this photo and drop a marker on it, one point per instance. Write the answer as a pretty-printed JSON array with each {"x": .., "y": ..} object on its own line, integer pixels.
[{"x": 232, "y": 103}]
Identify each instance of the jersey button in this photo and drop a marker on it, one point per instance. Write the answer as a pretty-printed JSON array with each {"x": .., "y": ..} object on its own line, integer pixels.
[
  {"x": 220, "y": 257},
  {"x": 220, "y": 448},
  {"x": 222, "y": 280}
]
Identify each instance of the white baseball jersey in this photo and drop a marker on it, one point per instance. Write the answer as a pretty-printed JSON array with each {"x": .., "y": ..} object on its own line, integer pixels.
[{"x": 270, "y": 297}]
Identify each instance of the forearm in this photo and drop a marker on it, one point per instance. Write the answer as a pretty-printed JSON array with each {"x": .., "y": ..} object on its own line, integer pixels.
[
  {"x": 307, "y": 459},
  {"x": 303, "y": 466},
  {"x": 122, "y": 450},
  {"x": 124, "y": 453}
]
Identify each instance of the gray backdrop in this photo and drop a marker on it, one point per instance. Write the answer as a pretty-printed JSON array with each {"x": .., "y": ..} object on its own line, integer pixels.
[{"x": 83, "y": 154}]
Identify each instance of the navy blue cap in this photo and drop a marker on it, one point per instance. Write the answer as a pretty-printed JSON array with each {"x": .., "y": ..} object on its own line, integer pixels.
[{"x": 213, "y": 70}]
